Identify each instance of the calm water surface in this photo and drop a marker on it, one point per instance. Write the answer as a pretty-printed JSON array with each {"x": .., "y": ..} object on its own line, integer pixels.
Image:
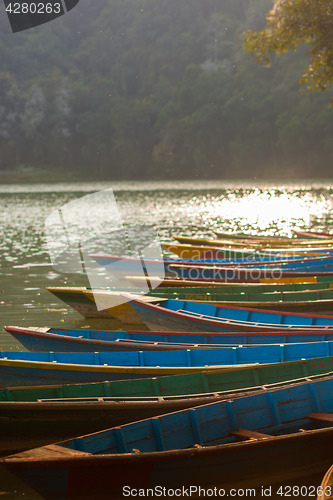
[{"x": 191, "y": 208}]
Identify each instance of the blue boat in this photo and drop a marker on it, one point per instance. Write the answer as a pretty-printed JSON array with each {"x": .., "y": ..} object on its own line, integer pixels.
[
  {"x": 54, "y": 339},
  {"x": 263, "y": 440},
  {"x": 28, "y": 368},
  {"x": 219, "y": 269},
  {"x": 250, "y": 273},
  {"x": 190, "y": 316},
  {"x": 130, "y": 264}
]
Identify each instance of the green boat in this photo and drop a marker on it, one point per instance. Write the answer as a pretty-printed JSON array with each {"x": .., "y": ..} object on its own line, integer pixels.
[
  {"x": 36, "y": 416},
  {"x": 289, "y": 297}
]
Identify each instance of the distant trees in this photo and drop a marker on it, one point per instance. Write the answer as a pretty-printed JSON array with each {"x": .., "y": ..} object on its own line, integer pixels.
[{"x": 162, "y": 89}]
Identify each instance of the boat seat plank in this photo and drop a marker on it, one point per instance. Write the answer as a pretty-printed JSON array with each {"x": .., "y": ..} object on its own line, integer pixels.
[
  {"x": 322, "y": 417},
  {"x": 247, "y": 434},
  {"x": 49, "y": 451}
]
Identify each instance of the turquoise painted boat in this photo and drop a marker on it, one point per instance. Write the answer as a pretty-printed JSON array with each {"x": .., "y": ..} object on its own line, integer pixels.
[
  {"x": 130, "y": 264},
  {"x": 28, "y": 368},
  {"x": 277, "y": 433},
  {"x": 53, "y": 339},
  {"x": 182, "y": 315},
  {"x": 236, "y": 270}
]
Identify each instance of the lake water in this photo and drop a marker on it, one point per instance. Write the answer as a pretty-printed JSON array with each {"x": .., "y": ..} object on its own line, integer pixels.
[{"x": 192, "y": 208}]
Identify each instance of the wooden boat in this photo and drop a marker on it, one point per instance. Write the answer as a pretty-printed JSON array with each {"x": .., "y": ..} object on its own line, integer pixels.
[
  {"x": 168, "y": 282},
  {"x": 306, "y": 263},
  {"x": 326, "y": 487},
  {"x": 242, "y": 236},
  {"x": 297, "y": 244},
  {"x": 302, "y": 237},
  {"x": 182, "y": 315},
  {"x": 312, "y": 234},
  {"x": 207, "y": 446},
  {"x": 28, "y": 368},
  {"x": 53, "y": 339},
  {"x": 71, "y": 294},
  {"x": 42, "y": 415},
  {"x": 130, "y": 264},
  {"x": 306, "y": 300},
  {"x": 248, "y": 274},
  {"x": 312, "y": 264},
  {"x": 208, "y": 252},
  {"x": 211, "y": 252},
  {"x": 216, "y": 273},
  {"x": 83, "y": 300},
  {"x": 259, "y": 243}
]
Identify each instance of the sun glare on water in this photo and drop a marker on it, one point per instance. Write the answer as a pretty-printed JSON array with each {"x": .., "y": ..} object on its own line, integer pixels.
[{"x": 261, "y": 210}]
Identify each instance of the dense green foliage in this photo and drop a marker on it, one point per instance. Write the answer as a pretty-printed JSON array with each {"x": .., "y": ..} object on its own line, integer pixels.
[
  {"x": 291, "y": 23},
  {"x": 158, "y": 89}
]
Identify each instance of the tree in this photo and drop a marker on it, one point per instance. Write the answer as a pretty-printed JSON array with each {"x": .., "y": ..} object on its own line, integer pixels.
[
  {"x": 291, "y": 23},
  {"x": 10, "y": 111}
]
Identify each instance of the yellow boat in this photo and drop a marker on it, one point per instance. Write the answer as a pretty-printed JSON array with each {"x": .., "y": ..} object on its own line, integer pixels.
[
  {"x": 100, "y": 303},
  {"x": 271, "y": 240},
  {"x": 259, "y": 244},
  {"x": 189, "y": 251},
  {"x": 137, "y": 280}
]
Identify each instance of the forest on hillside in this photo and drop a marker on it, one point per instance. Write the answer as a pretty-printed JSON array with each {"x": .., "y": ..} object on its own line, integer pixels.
[{"x": 143, "y": 89}]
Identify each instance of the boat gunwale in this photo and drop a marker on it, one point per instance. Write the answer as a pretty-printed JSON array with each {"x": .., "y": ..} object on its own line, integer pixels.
[{"x": 51, "y": 365}]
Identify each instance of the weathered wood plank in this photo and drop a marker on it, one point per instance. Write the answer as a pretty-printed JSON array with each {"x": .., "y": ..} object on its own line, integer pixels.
[{"x": 247, "y": 434}]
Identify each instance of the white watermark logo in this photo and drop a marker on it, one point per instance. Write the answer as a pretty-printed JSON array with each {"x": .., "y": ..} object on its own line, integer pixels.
[{"x": 88, "y": 236}]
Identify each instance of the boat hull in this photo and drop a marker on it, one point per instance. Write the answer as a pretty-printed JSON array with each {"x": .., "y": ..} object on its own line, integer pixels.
[
  {"x": 79, "y": 301},
  {"x": 282, "y": 460},
  {"x": 83, "y": 301},
  {"x": 19, "y": 369},
  {"x": 209, "y": 252},
  {"x": 251, "y": 275},
  {"x": 305, "y": 245},
  {"x": 52, "y": 339},
  {"x": 186, "y": 316},
  {"x": 20, "y": 375}
]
